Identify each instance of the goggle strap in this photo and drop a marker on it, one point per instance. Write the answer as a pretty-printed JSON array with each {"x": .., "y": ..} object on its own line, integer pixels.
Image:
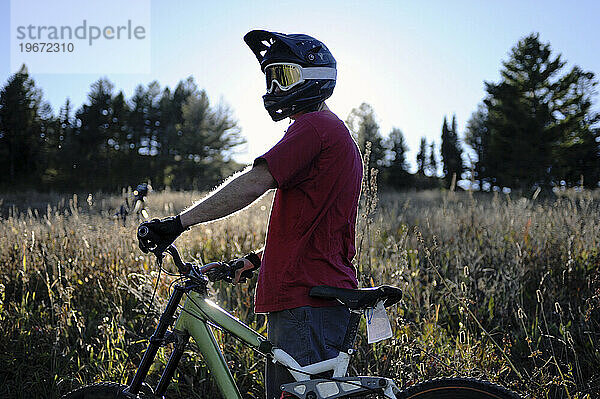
[{"x": 319, "y": 73}]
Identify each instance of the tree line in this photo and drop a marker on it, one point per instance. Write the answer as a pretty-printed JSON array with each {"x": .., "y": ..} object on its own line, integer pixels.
[
  {"x": 535, "y": 128},
  {"x": 172, "y": 138},
  {"x": 389, "y": 154}
]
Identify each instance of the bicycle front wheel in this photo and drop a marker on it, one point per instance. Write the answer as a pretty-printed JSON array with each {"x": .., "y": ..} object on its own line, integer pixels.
[
  {"x": 103, "y": 390},
  {"x": 457, "y": 388}
]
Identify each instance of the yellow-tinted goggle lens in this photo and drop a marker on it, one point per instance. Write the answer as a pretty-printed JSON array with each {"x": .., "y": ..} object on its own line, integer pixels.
[{"x": 285, "y": 75}]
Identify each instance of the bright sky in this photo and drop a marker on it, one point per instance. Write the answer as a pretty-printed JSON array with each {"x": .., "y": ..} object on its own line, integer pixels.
[{"x": 413, "y": 61}]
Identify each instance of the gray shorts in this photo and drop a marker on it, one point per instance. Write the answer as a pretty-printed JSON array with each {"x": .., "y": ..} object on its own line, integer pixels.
[{"x": 308, "y": 334}]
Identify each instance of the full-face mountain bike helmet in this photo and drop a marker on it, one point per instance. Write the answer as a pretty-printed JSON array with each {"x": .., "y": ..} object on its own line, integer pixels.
[{"x": 300, "y": 71}]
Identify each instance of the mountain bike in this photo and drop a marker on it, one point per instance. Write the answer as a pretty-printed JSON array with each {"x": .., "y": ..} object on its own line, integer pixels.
[{"x": 323, "y": 380}]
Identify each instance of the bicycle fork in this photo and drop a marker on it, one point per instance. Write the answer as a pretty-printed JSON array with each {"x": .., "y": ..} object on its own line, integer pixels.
[{"x": 162, "y": 337}]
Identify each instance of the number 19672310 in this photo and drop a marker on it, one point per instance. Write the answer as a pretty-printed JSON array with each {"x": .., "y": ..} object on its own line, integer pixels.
[{"x": 46, "y": 47}]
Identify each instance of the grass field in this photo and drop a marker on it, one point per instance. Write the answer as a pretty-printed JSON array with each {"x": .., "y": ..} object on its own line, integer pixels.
[{"x": 496, "y": 287}]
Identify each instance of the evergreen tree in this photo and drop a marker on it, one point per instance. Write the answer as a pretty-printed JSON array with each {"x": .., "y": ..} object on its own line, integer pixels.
[
  {"x": 477, "y": 136},
  {"x": 65, "y": 120},
  {"x": 432, "y": 162},
  {"x": 445, "y": 148},
  {"x": 171, "y": 105},
  {"x": 451, "y": 151},
  {"x": 94, "y": 141},
  {"x": 24, "y": 119},
  {"x": 534, "y": 121},
  {"x": 396, "y": 174},
  {"x": 364, "y": 127},
  {"x": 577, "y": 153},
  {"x": 119, "y": 127},
  {"x": 422, "y": 157},
  {"x": 206, "y": 138},
  {"x": 144, "y": 119},
  {"x": 66, "y": 149}
]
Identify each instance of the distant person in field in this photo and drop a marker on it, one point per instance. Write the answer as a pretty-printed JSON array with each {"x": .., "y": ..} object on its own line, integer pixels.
[
  {"x": 316, "y": 170},
  {"x": 139, "y": 201},
  {"x": 139, "y": 204}
]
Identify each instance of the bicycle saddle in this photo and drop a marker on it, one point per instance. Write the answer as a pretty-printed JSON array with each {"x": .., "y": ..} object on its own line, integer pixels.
[{"x": 360, "y": 298}]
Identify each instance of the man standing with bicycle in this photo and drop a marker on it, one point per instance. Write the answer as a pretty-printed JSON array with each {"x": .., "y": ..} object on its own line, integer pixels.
[{"x": 317, "y": 170}]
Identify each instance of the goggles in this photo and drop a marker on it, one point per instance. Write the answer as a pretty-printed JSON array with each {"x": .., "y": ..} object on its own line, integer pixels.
[{"x": 286, "y": 75}]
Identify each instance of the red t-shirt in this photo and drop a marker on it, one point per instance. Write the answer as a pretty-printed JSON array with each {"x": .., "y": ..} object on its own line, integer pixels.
[{"x": 310, "y": 238}]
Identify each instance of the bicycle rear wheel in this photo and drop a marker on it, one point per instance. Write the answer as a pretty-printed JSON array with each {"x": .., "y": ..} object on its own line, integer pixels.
[{"x": 457, "y": 388}]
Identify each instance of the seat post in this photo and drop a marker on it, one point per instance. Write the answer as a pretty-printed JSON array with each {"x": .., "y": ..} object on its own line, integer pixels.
[{"x": 351, "y": 331}]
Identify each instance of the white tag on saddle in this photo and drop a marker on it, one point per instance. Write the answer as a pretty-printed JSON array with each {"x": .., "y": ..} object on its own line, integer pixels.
[{"x": 378, "y": 324}]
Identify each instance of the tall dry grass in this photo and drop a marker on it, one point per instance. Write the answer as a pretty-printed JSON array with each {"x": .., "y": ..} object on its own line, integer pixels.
[{"x": 501, "y": 288}]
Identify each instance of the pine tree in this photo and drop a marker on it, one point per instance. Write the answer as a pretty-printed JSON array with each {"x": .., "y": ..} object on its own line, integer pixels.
[
  {"x": 144, "y": 119},
  {"x": 432, "y": 161},
  {"x": 93, "y": 138},
  {"x": 577, "y": 154},
  {"x": 422, "y": 157},
  {"x": 445, "y": 147},
  {"x": 396, "y": 174},
  {"x": 451, "y": 151},
  {"x": 207, "y": 136},
  {"x": 534, "y": 123},
  {"x": 363, "y": 126},
  {"x": 119, "y": 126},
  {"x": 66, "y": 148},
  {"x": 477, "y": 136},
  {"x": 519, "y": 116},
  {"x": 171, "y": 105},
  {"x": 24, "y": 118}
]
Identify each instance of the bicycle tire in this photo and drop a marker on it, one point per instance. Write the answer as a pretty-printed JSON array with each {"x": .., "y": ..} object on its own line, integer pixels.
[
  {"x": 103, "y": 390},
  {"x": 457, "y": 388}
]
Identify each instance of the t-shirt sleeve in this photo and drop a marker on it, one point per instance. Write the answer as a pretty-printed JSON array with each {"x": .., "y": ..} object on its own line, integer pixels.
[{"x": 293, "y": 154}]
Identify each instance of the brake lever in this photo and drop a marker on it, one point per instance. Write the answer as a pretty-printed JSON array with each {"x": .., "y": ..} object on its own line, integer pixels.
[
  {"x": 182, "y": 267},
  {"x": 233, "y": 269},
  {"x": 226, "y": 271},
  {"x": 246, "y": 274},
  {"x": 217, "y": 271}
]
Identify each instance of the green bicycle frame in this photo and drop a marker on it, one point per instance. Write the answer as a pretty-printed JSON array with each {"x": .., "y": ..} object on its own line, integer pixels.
[
  {"x": 193, "y": 319},
  {"x": 198, "y": 312},
  {"x": 197, "y": 315}
]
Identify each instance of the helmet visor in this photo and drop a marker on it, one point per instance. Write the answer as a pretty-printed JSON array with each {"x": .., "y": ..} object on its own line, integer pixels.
[{"x": 285, "y": 76}]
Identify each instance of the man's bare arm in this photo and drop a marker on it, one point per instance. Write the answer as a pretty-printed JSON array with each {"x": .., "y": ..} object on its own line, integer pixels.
[{"x": 231, "y": 196}]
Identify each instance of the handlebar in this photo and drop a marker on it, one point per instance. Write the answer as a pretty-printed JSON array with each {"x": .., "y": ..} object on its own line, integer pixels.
[
  {"x": 214, "y": 271},
  {"x": 184, "y": 268}
]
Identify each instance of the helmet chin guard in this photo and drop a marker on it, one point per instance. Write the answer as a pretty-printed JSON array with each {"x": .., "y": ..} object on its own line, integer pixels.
[
  {"x": 309, "y": 95},
  {"x": 303, "y": 50}
]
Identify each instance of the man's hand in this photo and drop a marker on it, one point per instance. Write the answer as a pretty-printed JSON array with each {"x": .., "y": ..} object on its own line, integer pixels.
[
  {"x": 244, "y": 267},
  {"x": 156, "y": 235}
]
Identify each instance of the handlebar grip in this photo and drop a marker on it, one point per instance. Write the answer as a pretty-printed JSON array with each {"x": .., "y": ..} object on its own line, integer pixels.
[
  {"x": 246, "y": 273},
  {"x": 143, "y": 231}
]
